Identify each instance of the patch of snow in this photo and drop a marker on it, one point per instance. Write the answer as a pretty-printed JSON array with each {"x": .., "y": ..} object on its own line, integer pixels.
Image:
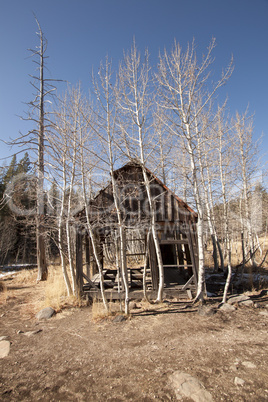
[{"x": 3, "y": 274}]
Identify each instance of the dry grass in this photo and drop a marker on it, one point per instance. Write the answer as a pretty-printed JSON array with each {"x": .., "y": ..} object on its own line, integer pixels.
[
  {"x": 99, "y": 312},
  {"x": 26, "y": 276},
  {"x": 237, "y": 255},
  {"x": 3, "y": 292},
  {"x": 55, "y": 292}
]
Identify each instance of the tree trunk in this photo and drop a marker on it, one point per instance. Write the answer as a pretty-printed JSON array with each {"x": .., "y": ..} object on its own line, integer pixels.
[
  {"x": 40, "y": 239},
  {"x": 41, "y": 253}
]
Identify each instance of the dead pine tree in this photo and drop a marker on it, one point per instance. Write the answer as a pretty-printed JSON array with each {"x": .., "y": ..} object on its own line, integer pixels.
[{"x": 34, "y": 141}]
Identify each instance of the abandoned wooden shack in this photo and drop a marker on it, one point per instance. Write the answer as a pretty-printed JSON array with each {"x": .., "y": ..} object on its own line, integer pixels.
[{"x": 175, "y": 222}]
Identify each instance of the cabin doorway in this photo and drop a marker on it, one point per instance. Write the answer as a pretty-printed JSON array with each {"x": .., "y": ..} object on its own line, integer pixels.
[{"x": 174, "y": 273}]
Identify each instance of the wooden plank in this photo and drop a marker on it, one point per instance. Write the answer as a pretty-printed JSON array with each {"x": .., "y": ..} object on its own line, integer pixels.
[
  {"x": 189, "y": 294},
  {"x": 193, "y": 252},
  {"x": 131, "y": 254},
  {"x": 130, "y": 240},
  {"x": 89, "y": 281},
  {"x": 153, "y": 263},
  {"x": 188, "y": 282},
  {"x": 87, "y": 248},
  {"x": 96, "y": 277},
  {"x": 79, "y": 260},
  {"x": 138, "y": 294},
  {"x": 178, "y": 266},
  {"x": 171, "y": 241}
]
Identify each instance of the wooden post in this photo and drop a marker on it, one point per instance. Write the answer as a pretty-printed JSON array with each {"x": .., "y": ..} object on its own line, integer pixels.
[
  {"x": 191, "y": 235},
  {"x": 79, "y": 261},
  {"x": 87, "y": 246},
  {"x": 153, "y": 263}
]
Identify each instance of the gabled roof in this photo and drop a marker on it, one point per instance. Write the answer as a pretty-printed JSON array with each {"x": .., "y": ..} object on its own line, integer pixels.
[{"x": 182, "y": 203}]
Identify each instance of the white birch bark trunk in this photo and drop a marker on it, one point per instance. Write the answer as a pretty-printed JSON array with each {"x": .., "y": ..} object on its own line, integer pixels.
[
  {"x": 108, "y": 127},
  {"x": 226, "y": 221},
  {"x": 146, "y": 260},
  {"x": 68, "y": 218},
  {"x": 152, "y": 215},
  {"x": 122, "y": 242},
  {"x": 60, "y": 235},
  {"x": 247, "y": 152},
  {"x": 91, "y": 230},
  {"x": 212, "y": 230},
  {"x": 199, "y": 225},
  {"x": 155, "y": 238}
]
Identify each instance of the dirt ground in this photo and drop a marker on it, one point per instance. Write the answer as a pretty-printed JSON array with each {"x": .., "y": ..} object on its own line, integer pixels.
[{"x": 74, "y": 358}]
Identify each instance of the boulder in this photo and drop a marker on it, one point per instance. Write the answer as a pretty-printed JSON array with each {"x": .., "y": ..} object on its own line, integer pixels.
[
  {"x": 45, "y": 313},
  {"x": 247, "y": 303},
  {"x": 4, "y": 348},
  {"x": 186, "y": 386},
  {"x": 237, "y": 299}
]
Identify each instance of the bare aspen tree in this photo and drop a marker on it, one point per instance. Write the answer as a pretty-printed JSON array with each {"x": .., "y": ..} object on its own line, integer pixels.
[
  {"x": 87, "y": 167},
  {"x": 248, "y": 169},
  {"x": 58, "y": 145},
  {"x": 107, "y": 126},
  {"x": 163, "y": 151},
  {"x": 63, "y": 145},
  {"x": 135, "y": 103},
  {"x": 69, "y": 127},
  {"x": 185, "y": 91},
  {"x": 209, "y": 172},
  {"x": 225, "y": 169},
  {"x": 72, "y": 156},
  {"x": 203, "y": 149},
  {"x": 212, "y": 175}
]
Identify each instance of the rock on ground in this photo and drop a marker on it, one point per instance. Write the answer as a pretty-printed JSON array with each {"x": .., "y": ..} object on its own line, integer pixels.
[
  {"x": 4, "y": 338},
  {"x": 4, "y": 348},
  {"x": 239, "y": 382},
  {"x": 186, "y": 386},
  {"x": 45, "y": 313},
  {"x": 248, "y": 303},
  {"x": 238, "y": 299},
  {"x": 119, "y": 318},
  {"x": 249, "y": 365}
]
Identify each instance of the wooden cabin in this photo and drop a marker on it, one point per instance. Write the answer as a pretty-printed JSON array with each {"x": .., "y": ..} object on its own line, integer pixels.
[{"x": 176, "y": 230}]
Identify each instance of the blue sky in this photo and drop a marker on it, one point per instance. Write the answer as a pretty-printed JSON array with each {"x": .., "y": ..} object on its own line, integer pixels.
[{"x": 81, "y": 33}]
